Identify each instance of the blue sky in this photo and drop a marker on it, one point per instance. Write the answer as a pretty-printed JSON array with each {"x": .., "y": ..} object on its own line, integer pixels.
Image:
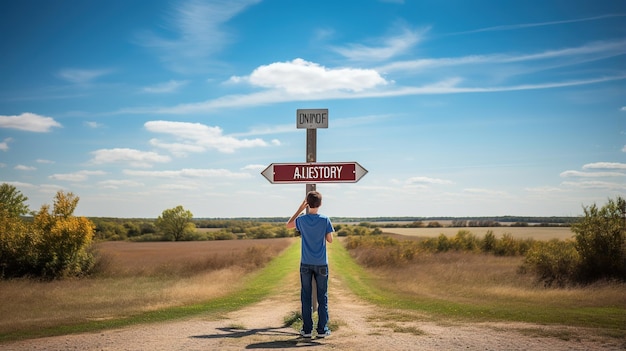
[{"x": 455, "y": 108}]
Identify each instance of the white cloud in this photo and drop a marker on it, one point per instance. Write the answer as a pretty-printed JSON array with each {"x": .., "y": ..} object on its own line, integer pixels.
[
  {"x": 79, "y": 176},
  {"x": 387, "y": 48},
  {"x": 82, "y": 76},
  {"x": 490, "y": 192},
  {"x": 167, "y": 87},
  {"x": 258, "y": 168},
  {"x": 605, "y": 165},
  {"x": 93, "y": 125},
  {"x": 39, "y": 160},
  {"x": 304, "y": 77},
  {"x": 544, "y": 189},
  {"x": 24, "y": 168},
  {"x": 134, "y": 158},
  {"x": 29, "y": 122},
  {"x": 623, "y": 108},
  {"x": 4, "y": 145},
  {"x": 595, "y": 185},
  {"x": 117, "y": 183},
  {"x": 567, "y": 174},
  {"x": 427, "y": 180},
  {"x": 197, "y": 137},
  {"x": 190, "y": 173},
  {"x": 624, "y": 148}
]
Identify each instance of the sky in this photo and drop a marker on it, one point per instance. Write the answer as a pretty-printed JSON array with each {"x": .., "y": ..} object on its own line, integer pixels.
[{"x": 455, "y": 108}]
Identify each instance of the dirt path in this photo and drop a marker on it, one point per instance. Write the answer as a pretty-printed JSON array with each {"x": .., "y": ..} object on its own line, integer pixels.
[{"x": 361, "y": 326}]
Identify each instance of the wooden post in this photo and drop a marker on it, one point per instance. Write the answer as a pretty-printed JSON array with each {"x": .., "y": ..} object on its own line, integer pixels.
[{"x": 311, "y": 156}]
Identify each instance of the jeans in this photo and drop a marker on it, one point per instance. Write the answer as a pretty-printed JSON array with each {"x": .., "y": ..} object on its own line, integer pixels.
[{"x": 320, "y": 274}]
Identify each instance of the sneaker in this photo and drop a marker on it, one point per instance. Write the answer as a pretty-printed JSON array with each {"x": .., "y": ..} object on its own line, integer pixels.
[
  {"x": 324, "y": 334},
  {"x": 305, "y": 335}
]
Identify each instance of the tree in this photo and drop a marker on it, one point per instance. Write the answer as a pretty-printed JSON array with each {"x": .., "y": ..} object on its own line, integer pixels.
[
  {"x": 176, "y": 223},
  {"x": 601, "y": 241},
  {"x": 16, "y": 255},
  {"x": 12, "y": 200}
]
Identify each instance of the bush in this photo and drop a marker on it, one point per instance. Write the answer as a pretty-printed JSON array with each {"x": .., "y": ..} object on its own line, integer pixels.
[
  {"x": 55, "y": 245},
  {"x": 554, "y": 262},
  {"x": 62, "y": 240},
  {"x": 465, "y": 241}
]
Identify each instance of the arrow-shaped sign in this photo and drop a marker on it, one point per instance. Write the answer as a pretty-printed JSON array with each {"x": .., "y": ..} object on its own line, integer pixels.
[{"x": 332, "y": 172}]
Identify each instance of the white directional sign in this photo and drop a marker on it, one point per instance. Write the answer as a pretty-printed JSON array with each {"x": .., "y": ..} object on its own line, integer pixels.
[{"x": 312, "y": 118}]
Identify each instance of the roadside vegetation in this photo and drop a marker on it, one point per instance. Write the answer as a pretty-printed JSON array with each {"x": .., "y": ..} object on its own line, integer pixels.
[{"x": 64, "y": 273}]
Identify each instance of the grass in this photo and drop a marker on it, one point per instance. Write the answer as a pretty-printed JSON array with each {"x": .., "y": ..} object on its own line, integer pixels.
[
  {"x": 477, "y": 287},
  {"x": 41, "y": 309}
]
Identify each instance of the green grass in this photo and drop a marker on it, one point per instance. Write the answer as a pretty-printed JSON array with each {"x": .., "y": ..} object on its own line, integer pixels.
[
  {"x": 450, "y": 303},
  {"x": 256, "y": 286}
]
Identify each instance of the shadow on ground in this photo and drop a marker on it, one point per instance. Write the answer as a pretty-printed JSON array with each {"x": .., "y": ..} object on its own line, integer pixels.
[{"x": 236, "y": 333}]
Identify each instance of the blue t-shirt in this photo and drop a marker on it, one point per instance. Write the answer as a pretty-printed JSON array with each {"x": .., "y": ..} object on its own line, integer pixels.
[{"x": 313, "y": 229}]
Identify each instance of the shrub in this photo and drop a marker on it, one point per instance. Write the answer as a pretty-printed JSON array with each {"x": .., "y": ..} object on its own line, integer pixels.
[
  {"x": 506, "y": 246},
  {"x": 555, "y": 262},
  {"x": 488, "y": 244},
  {"x": 62, "y": 240},
  {"x": 465, "y": 241}
]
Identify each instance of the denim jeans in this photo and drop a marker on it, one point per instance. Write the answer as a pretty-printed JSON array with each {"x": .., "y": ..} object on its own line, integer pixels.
[{"x": 320, "y": 274}]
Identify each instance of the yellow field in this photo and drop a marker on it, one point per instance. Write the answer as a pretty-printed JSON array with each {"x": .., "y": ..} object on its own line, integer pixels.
[{"x": 537, "y": 233}]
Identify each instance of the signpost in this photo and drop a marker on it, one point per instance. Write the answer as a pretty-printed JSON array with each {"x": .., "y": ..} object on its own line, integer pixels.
[
  {"x": 312, "y": 172},
  {"x": 331, "y": 172}
]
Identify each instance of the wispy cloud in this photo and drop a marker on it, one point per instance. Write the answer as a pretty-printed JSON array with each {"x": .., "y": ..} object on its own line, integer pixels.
[
  {"x": 428, "y": 180},
  {"x": 24, "y": 168},
  {"x": 79, "y": 176},
  {"x": 580, "y": 174},
  {"x": 82, "y": 76},
  {"x": 167, "y": 87},
  {"x": 539, "y": 24},
  {"x": 200, "y": 34},
  {"x": 93, "y": 125},
  {"x": 605, "y": 165},
  {"x": 190, "y": 173},
  {"x": 119, "y": 183},
  {"x": 29, "y": 122},
  {"x": 134, "y": 158},
  {"x": 588, "y": 52},
  {"x": 197, "y": 137},
  {"x": 595, "y": 184},
  {"x": 383, "y": 48},
  {"x": 4, "y": 145}
]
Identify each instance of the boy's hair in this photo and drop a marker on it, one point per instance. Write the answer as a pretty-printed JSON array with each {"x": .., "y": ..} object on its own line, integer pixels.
[{"x": 314, "y": 199}]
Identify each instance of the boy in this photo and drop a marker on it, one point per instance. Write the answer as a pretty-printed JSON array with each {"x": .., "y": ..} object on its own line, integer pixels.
[{"x": 315, "y": 230}]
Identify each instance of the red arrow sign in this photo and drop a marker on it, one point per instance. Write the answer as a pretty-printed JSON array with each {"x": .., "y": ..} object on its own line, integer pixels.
[{"x": 333, "y": 172}]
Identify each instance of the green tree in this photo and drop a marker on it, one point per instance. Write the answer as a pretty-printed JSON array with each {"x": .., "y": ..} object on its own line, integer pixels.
[
  {"x": 600, "y": 241},
  {"x": 176, "y": 223},
  {"x": 16, "y": 242},
  {"x": 13, "y": 201}
]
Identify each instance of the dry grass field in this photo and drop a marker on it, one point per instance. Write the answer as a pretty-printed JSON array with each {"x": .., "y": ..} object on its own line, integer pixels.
[
  {"x": 537, "y": 233},
  {"x": 133, "y": 278}
]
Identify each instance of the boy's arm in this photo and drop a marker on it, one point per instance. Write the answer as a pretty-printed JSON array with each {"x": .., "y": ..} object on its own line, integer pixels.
[
  {"x": 291, "y": 223},
  {"x": 329, "y": 237}
]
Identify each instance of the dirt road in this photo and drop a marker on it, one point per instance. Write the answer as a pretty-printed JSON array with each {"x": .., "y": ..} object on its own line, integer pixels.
[{"x": 361, "y": 326}]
